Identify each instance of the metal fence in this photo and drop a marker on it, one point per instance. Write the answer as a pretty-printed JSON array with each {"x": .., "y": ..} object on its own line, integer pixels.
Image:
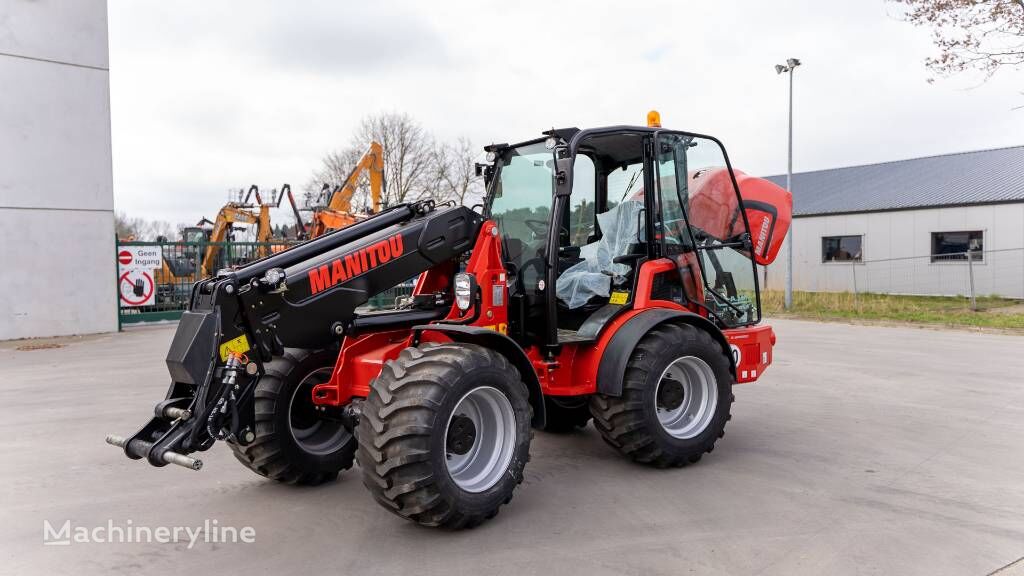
[
  {"x": 162, "y": 293},
  {"x": 971, "y": 275}
]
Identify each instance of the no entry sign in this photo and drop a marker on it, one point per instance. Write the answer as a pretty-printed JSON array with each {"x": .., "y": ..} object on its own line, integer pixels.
[{"x": 136, "y": 272}]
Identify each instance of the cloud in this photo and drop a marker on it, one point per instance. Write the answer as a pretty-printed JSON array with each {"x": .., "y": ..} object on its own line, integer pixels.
[
  {"x": 211, "y": 96},
  {"x": 347, "y": 38}
]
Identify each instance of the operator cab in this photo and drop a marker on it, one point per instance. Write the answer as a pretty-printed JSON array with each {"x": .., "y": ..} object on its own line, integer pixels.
[{"x": 580, "y": 212}]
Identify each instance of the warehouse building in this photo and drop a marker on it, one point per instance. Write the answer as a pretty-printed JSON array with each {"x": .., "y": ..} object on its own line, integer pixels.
[
  {"x": 56, "y": 192},
  {"x": 925, "y": 226}
]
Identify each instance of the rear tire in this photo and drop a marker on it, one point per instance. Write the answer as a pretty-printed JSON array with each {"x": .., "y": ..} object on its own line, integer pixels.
[
  {"x": 424, "y": 434},
  {"x": 292, "y": 444},
  {"x": 675, "y": 402},
  {"x": 565, "y": 413}
]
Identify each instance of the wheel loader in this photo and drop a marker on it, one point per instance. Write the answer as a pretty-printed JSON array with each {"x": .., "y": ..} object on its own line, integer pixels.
[{"x": 610, "y": 276}]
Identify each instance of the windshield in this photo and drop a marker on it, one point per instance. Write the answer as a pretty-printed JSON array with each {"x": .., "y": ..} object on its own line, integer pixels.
[{"x": 521, "y": 207}]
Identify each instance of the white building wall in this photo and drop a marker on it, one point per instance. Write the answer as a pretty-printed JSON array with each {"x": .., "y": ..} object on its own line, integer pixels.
[
  {"x": 897, "y": 248},
  {"x": 57, "y": 270}
]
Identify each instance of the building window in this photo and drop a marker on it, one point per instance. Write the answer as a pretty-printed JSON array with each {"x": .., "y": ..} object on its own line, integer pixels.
[
  {"x": 841, "y": 248},
  {"x": 954, "y": 246}
]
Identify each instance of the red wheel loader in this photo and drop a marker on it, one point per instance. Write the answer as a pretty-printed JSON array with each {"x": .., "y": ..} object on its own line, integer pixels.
[{"x": 610, "y": 276}]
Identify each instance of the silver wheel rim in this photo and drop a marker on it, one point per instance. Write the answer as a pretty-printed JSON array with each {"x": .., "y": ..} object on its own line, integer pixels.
[
  {"x": 483, "y": 464},
  {"x": 699, "y": 397},
  {"x": 312, "y": 433}
]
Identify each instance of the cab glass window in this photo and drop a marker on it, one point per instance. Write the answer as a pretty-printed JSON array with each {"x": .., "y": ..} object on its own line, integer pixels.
[
  {"x": 696, "y": 184},
  {"x": 521, "y": 207}
]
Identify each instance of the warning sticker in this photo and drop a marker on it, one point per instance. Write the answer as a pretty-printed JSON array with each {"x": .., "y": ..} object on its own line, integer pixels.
[
  {"x": 238, "y": 345},
  {"x": 619, "y": 298},
  {"x": 737, "y": 355}
]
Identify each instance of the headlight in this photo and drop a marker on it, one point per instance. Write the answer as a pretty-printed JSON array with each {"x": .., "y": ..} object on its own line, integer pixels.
[
  {"x": 463, "y": 290},
  {"x": 273, "y": 277}
]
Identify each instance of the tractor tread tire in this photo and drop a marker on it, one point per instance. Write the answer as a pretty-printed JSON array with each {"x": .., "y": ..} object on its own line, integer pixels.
[
  {"x": 402, "y": 419},
  {"x": 270, "y": 455},
  {"x": 629, "y": 425}
]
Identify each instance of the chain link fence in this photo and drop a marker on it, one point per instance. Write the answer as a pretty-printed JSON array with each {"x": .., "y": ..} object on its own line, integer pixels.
[
  {"x": 162, "y": 293},
  {"x": 974, "y": 277}
]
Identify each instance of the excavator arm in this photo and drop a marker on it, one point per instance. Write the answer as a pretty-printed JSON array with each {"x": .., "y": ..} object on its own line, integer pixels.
[
  {"x": 226, "y": 218},
  {"x": 338, "y": 212}
]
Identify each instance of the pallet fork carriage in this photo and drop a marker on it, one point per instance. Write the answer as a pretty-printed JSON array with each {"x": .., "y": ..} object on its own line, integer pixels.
[{"x": 610, "y": 276}]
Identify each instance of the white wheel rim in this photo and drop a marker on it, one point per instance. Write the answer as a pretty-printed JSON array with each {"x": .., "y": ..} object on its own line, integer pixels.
[
  {"x": 481, "y": 465},
  {"x": 699, "y": 397}
]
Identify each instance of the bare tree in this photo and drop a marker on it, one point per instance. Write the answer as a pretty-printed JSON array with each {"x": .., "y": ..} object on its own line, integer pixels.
[
  {"x": 415, "y": 165},
  {"x": 154, "y": 230},
  {"x": 127, "y": 228},
  {"x": 455, "y": 172},
  {"x": 408, "y": 159},
  {"x": 334, "y": 169},
  {"x": 408, "y": 154},
  {"x": 979, "y": 35}
]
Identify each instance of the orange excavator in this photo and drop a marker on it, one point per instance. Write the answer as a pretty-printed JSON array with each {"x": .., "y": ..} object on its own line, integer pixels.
[
  {"x": 337, "y": 212},
  {"x": 228, "y": 217},
  {"x": 182, "y": 269}
]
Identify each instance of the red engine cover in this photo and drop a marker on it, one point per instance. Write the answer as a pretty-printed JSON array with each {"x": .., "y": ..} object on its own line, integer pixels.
[
  {"x": 769, "y": 209},
  {"x": 714, "y": 209}
]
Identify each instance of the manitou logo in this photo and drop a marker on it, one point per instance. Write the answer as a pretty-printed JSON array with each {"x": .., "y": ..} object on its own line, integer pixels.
[
  {"x": 762, "y": 236},
  {"x": 354, "y": 264}
]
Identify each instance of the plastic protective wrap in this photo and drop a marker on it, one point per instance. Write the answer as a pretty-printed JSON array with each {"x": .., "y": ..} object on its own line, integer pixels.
[{"x": 620, "y": 227}]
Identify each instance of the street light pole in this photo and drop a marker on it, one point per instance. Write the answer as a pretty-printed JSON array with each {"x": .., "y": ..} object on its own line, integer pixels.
[{"x": 789, "y": 66}]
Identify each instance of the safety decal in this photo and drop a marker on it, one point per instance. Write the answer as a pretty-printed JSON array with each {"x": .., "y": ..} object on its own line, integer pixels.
[
  {"x": 238, "y": 345},
  {"x": 619, "y": 298}
]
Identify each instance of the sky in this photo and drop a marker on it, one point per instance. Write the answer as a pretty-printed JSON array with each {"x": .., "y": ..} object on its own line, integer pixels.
[{"x": 208, "y": 97}]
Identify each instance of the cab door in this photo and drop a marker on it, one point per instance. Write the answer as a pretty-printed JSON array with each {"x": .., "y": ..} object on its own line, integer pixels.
[
  {"x": 703, "y": 223},
  {"x": 520, "y": 203}
]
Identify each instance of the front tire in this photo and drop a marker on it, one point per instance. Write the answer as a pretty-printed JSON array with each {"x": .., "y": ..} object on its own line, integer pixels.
[
  {"x": 445, "y": 434},
  {"x": 293, "y": 444},
  {"x": 675, "y": 401}
]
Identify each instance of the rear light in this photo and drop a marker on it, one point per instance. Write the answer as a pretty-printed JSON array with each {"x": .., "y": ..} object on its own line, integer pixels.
[{"x": 463, "y": 290}]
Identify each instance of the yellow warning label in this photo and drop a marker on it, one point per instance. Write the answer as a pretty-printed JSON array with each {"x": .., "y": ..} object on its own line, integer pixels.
[
  {"x": 502, "y": 327},
  {"x": 238, "y": 345},
  {"x": 619, "y": 298}
]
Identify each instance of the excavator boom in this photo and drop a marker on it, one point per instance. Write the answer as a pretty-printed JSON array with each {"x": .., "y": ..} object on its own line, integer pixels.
[{"x": 338, "y": 212}]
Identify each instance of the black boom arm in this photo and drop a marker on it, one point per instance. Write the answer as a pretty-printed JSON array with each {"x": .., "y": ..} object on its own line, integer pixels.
[{"x": 304, "y": 297}]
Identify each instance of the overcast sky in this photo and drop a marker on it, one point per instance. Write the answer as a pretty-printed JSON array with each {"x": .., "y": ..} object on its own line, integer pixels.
[{"x": 209, "y": 96}]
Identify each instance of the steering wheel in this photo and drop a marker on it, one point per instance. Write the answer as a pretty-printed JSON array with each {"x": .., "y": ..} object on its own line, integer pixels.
[{"x": 538, "y": 227}]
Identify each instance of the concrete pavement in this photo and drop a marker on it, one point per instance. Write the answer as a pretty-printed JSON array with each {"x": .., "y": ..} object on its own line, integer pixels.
[{"x": 863, "y": 450}]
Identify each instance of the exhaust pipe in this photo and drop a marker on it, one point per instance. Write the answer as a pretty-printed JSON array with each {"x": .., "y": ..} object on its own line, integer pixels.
[{"x": 141, "y": 447}]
